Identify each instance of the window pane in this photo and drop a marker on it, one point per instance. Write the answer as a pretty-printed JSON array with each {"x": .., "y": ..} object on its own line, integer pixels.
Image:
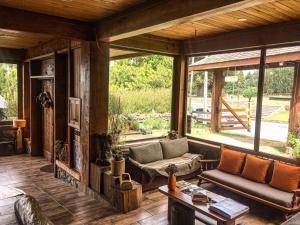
[
  {"x": 221, "y": 102},
  {"x": 8, "y": 92},
  {"x": 140, "y": 89},
  {"x": 277, "y": 107}
]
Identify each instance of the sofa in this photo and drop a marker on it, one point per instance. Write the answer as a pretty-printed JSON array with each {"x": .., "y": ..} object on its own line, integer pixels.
[
  {"x": 262, "y": 191},
  {"x": 147, "y": 163}
]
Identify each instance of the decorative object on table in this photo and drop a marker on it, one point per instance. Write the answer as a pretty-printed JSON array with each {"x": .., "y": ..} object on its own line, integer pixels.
[
  {"x": 199, "y": 195},
  {"x": 19, "y": 123},
  {"x": 229, "y": 208},
  {"x": 45, "y": 99},
  {"x": 172, "y": 135},
  {"x": 104, "y": 141},
  {"x": 126, "y": 183},
  {"x": 171, "y": 170},
  {"x": 74, "y": 112},
  {"x": 118, "y": 162}
]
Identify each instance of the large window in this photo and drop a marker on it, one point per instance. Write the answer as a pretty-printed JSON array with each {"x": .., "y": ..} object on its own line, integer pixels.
[
  {"x": 222, "y": 100},
  {"x": 140, "y": 92},
  {"x": 8, "y": 92}
]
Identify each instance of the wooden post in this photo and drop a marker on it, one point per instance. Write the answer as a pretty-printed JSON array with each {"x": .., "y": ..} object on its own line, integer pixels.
[
  {"x": 295, "y": 101},
  {"x": 94, "y": 80},
  {"x": 26, "y": 98},
  {"x": 178, "y": 94},
  {"x": 260, "y": 92},
  {"x": 216, "y": 103},
  {"x": 20, "y": 89}
]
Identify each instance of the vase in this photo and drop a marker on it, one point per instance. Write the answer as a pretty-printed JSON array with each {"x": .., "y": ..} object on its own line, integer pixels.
[
  {"x": 118, "y": 167},
  {"x": 172, "y": 182}
]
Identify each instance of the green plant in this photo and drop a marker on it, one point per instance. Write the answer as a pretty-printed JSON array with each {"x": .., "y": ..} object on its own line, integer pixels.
[
  {"x": 249, "y": 93},
  {"x": 293, "y": 139},
  {"x": 297, "y": 150}
]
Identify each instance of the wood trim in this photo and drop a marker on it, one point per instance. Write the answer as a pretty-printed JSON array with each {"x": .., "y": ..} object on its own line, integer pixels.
[
  {"x": 168, "y": 13},
  {"x": 20, "y": 89},
  {"x": 127, "y": 56},
  {"x": 69, "y": 170},
  {"x": 20, "y": 20},
  {"x": 216, "y": 101},
  {"x": 148, "y": 44},
  {"x": 266, "y": 202},
  {"x": 259, "y": 101},
  {"x": 287, "y": 33}
]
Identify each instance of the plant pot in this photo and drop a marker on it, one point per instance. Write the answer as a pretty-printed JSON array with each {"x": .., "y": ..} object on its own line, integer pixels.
[
  {"x": 118, "y": 167},
  {"x": 172, "y": 182}
]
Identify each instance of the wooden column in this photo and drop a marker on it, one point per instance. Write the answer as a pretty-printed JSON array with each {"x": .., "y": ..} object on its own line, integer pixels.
[
  {"x": 178, "y": 94},
  {"x": 94, "y": 80},
  {"x": 260, "y": 92},
  {"x": 295, "y": 101},
  {"x": 26, "y": 98},
  {"x": 216, "y": 103},
  {"x": 20, "y": 89}
]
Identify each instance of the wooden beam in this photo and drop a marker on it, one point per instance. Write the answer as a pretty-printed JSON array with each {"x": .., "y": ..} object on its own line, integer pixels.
[
  {"x": 253, "y": 38},
  {"x": 20, "y": 20},
  {"x": 9, "y": 55},
  {"x": 129, "y": 55},
  {"x": 94, "y": 80},
  {"x": 178, "y": 96},
  {"x": 149, "y": 43},
  {"x": 259, "y": 101},
  {"x": 295, "y": 102},
  {"x": 20, "y": 89},
  {"x": 216, "y": 102},
  {"x": 293, "y": 56},
  {"x": 26, "y": 98},
  {"x": 158, "y": 15}
]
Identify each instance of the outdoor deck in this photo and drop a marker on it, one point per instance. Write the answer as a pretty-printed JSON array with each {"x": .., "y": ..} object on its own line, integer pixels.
[{"x": 64, "y": 205}]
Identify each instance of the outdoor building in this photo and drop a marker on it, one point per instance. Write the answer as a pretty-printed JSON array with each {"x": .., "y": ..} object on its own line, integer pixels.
[{"x": 136, "y": 112}]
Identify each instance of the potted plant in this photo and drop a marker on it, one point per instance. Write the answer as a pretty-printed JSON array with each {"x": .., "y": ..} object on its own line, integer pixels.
[
  {"x": 171, "y": 170},
  {"x": 116, "y": 124}
]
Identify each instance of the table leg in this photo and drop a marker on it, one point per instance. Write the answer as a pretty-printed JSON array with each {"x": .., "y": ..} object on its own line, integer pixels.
[
  {"x": 229, "y": 222},
  {"x": 170, "y": 202}
]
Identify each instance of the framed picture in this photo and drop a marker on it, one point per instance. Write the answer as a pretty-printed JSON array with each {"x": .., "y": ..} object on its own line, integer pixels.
[{"x": 74, "y": 112}]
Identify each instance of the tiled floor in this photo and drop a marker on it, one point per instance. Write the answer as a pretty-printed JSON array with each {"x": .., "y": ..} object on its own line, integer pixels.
[{"x": 65, "y": 205}]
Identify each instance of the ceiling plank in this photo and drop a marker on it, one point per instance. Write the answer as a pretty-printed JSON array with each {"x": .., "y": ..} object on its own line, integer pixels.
[
  {"x": 159, "y": 15},
  {"x": 149, "y": 43},
  {"x": 20, "y": 20},
  {"x": 284, "y": 33}
]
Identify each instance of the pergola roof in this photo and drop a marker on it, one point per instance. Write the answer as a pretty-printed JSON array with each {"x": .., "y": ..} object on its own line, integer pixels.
[{"x": 246, "y": 58}]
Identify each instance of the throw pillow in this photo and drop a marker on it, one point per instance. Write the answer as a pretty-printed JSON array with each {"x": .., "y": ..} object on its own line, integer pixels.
[
  {"x": 256, "y": 168},
  {"x": 174, "y": 148},
  {"x": 285, "y": 177},
  {"x": 146, "y": 153},
  {"x": 231, "y": 161}
]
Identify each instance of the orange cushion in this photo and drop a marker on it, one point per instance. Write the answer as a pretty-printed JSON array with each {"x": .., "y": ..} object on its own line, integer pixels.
[
  {"x": 285, "y": 177},
  {"x": 255, "y": 168},
  {"x": 231, "y": 161}
]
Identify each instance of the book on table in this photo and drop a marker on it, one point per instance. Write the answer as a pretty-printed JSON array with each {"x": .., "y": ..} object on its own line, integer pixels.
[
  {"x": 199, "y": 195},
  {"x": 228, "y": 208}
]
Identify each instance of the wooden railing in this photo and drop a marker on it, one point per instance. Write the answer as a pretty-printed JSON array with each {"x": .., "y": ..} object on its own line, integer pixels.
[{"x": 238, "y": 116}]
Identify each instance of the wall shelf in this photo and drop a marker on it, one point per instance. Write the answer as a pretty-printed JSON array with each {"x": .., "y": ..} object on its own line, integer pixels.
[{"x": 42, "y": 77}]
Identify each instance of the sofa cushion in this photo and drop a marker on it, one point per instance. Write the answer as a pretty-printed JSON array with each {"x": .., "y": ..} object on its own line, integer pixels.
[
  {"x": 256, "y": 168},
  {"x": 146, "y": 153},
  {"x": 285, "y": 177},
  {"x": 263, "y": 191},
  {"x": 174, "y": 148},
  {"x": 231, "y": 161}
]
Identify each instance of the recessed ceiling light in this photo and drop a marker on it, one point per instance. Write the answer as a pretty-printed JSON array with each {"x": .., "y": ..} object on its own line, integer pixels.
[{"x": 242, "y": 19}]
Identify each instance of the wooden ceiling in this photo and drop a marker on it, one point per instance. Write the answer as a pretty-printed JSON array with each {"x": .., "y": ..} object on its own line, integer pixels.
[
  {"x": 16, "y": 39},
  {"x": 85, "y": 10},
  {"x": 264, "y": 14}
]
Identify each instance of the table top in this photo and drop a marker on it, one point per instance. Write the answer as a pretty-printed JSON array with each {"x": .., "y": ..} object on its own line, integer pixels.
[{"x": 186, "y": 200}]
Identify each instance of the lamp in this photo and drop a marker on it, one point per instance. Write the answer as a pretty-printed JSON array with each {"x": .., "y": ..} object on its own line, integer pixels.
[{"x": 19, "y": 123}]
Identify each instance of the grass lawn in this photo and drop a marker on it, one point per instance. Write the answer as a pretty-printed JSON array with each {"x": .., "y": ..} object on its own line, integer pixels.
[{"x": 280, "y": 116}]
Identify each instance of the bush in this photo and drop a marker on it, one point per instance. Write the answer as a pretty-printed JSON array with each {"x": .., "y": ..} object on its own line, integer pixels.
[{"x": 141, "y": 101}]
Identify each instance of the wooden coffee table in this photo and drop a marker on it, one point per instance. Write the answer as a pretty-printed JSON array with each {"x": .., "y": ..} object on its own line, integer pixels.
[{"x": 186, "y": 201}]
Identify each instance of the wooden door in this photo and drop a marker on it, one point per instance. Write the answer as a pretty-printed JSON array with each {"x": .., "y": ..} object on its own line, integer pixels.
[{"x": 47, "y": 124}]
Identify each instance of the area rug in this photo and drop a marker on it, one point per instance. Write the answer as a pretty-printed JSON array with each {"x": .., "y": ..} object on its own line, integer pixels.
[
  {"x": 8, "y": 192},
  {"x": 47, "y": 169}
]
